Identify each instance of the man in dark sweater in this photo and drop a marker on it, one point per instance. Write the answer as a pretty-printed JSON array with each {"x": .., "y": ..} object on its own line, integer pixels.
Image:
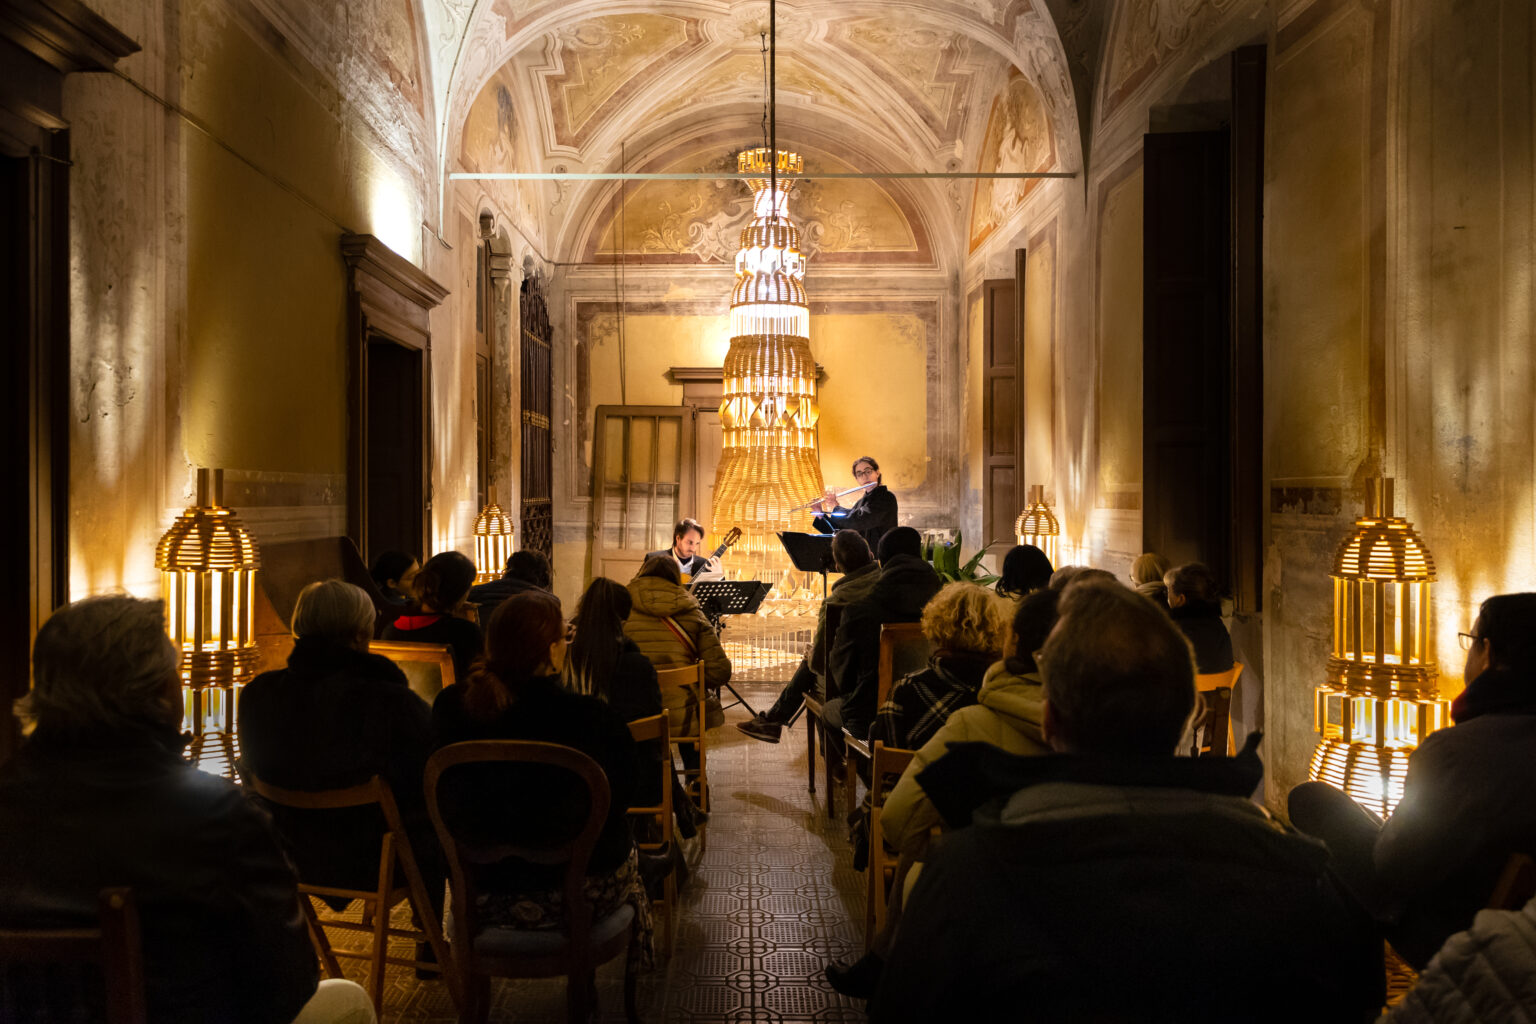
[
  {"x": 1112, "y": 880},
  {"x": 526, "y": 570},
  {"x": 906, "y": 584}
]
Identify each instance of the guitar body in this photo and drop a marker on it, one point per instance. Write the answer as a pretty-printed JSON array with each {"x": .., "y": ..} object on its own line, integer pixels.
[{"x": 731, "y": 537}]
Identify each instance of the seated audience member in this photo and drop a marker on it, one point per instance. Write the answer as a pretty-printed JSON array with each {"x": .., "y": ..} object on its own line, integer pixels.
[
  {"x": 1074, "y": 573},
  {"x": 1112, "y": 880},
  {"x": 1486, "y": 973},
  {"x": 1195, "y": 607},
  {"x": 526, "y": 570},
  {"x": 514, "y": 693},
  {"x": 668, "y": 627},
  {"x": 336, "y": 717},
  {"x": 100, "y": 795},
  {"x": 964, "y": 625},
  {"x": 394, "y": 572},
  {"x": 905, "y": 585},
  {"x": 1147, "y": 574},
  {"x": 445, "y": 617},
  {"x": 1007, "y": 715},
  {"x": 1025, "y": 570},
  {"x": 1469, "y": 800},
  {"x": 852, "y": 557}
]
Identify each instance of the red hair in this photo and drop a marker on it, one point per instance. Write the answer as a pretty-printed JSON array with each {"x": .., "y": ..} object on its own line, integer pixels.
[{"x": 517, "y": 643}]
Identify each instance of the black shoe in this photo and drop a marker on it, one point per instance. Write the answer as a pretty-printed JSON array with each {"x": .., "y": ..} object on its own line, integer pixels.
[
  {"x": 858, "y": 979},
  {"x": 762, "y": 728},
  {"x": 686, "y": 821}
]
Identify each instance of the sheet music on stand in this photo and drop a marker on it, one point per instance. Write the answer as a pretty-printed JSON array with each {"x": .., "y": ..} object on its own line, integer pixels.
[{"x": 731, "y": 597}]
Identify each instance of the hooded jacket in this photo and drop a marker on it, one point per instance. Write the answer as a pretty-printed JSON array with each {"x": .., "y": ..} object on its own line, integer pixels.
[
  {"x": 655, "y": 600},
  {"x": 1007, "y": 715},
  {"x": 1134, "y": 890},
  {"x": 906, "y": 584}
]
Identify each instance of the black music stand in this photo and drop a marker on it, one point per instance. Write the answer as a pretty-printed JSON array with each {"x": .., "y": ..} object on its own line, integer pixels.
[
  {"x": 810, "y": 552},
  {"x": 731, "y": 597}
]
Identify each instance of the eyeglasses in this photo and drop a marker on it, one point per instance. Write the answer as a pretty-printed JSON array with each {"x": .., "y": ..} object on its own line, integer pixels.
[
  {"x": 1467, "y": 640},
  {"x": 861, "y": 473}
]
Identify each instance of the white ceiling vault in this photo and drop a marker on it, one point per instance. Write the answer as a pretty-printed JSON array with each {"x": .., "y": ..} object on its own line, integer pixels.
[{"x": 879, "y": 85}]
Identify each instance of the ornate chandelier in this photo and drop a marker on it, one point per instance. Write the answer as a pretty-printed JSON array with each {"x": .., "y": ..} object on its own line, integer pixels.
[
  {"x": 1381, "y": 697},
  {"x": 768, "y": 413}
]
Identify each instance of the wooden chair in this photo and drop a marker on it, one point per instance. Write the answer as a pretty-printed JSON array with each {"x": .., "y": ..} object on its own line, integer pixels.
[
  {"x": 813, "y": 705},
  {"x": 903, "y": 650},
  {"x": 690, "y": 680},
  {"x": 427, "y": 667},
  {"x": 885, "y": 762},
  {"x": 395, "y": 860},
  {"x": 575, "y": 952},
  {"x": 648, "y": 730},
  {"x": 114, "y": 945},
  {"x": 1215, "y": 720}
]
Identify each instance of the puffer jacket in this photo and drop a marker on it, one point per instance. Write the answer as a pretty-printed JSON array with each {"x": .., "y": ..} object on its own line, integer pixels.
[
  {"x": 655, "y": 600},
  {"x": 1007, "y": 714},
  {"x": 1484, "y": 974},
  {"x": 852, "y": 588}
]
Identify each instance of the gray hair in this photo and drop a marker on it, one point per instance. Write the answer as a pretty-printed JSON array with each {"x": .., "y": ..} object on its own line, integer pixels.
[
  {"x": 103, "y": 663},
  {"x": 335, "y": 610}
]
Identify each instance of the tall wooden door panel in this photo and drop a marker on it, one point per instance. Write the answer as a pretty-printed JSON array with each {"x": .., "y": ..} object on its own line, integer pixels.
[{"x": 1000, "y": 409}]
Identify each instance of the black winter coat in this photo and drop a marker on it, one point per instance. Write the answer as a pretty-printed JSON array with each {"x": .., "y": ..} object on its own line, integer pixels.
[
  {"x": 906, "y": 584},
  {"x": 462, "y": 637},
  {"x": 1133, "y": 891},
  {"x": 872, "y": 515},
  {"x": 528, "y": 804},
  {"x": 488, "y": 596},
  {"x": 1207, "y": 634},
  {"x": 336, "y": 717},
  {"x": 224, "y": 941}
]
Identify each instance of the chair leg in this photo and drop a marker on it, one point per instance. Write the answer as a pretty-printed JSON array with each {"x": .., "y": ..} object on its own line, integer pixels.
[
  {"x": 380, "y": 950},
  {"x": 827, "y": 757},
  {"x": 321, "y": 941},
  {"x": 810, "y": 752},
  {"x": 631, "y": 971},
  {"x": 579, "y": 989},
  {"x": 477, "y": 1000},
  {"x": 851, "y": 782}
]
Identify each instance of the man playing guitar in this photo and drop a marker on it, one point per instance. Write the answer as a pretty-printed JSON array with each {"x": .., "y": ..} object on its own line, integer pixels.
[{"x": 687, "y": 538}]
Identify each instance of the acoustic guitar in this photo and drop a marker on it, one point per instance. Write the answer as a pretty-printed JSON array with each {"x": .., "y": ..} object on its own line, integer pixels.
[{"x": 731, "y": 537}]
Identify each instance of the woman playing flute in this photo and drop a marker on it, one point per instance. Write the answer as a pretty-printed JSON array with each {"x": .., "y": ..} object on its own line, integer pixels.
[{"x": 871, "y": 515}]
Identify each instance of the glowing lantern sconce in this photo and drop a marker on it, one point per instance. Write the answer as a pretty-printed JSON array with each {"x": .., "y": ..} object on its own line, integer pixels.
[
  {"x": 1037, "y": 525},
  {"x": 1381, "y": 697},
  {"x": 493, "y": 542},
  {"x": 208, "y": 562}
]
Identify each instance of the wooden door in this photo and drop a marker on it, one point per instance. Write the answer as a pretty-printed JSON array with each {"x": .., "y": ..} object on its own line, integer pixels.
[
  {"x": 395, "y": 503},
  {"x": 1187, "y": 350},
  {"x": 1000, "y": 407},
  {"x": 642, "y": 475}
]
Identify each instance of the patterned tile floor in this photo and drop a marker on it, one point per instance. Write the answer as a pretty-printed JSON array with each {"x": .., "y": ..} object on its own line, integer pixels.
[{"x": 772, "y": 897}]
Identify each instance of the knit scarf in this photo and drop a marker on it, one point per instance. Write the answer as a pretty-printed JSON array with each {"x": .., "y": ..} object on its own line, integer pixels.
[{"x": 1497, "y": 691}]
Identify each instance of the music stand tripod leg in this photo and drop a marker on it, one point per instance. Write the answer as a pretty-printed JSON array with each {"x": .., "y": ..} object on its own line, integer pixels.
[{"x": 739, "y": 700}]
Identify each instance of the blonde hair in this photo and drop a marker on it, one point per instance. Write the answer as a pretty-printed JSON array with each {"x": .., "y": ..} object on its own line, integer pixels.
[
  {"x": 334, "y": 609},
  {"x": 1149, "y": 567},
  {"x": 966, "y": 617}
]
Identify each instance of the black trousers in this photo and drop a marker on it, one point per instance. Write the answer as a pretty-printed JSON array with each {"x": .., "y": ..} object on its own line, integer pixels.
[{"x": 793, "y": 694}]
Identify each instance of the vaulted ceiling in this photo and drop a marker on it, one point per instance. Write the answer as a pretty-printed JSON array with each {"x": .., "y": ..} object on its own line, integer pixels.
[{"x": 893, "y": 85}]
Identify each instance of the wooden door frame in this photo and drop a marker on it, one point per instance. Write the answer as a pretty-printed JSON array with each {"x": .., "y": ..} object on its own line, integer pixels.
[
  {"x": 687, "y": 472},
  {"x": 388, "y": 299},
  {"x": 1003, "y": 531}
]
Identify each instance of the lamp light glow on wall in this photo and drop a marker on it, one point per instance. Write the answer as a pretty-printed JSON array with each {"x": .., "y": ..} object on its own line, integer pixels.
[
  {"x": 493, "y": 542},
  {"x": 1381, "y": 697},
  {"x": 208, "y": 562},
  {"x": 1037, "y": 525},
  {"x": 768, "y": 412}
]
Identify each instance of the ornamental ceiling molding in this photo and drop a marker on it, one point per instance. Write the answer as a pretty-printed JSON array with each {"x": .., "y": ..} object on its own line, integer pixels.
[
  {"x": 1145, "y": 37},
  {"x": 591, "y": 204}
]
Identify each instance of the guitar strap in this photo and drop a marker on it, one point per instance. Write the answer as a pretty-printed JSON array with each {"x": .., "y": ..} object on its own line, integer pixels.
[{"x": 682, "y": 636}]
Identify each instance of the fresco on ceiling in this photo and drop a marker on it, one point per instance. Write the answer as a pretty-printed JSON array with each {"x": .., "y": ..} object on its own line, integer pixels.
[
  {"x": 918, "y": 62},
  {"x": 1018, "y": 139},
  {"x": 491, "y": 131},
  {"x": 604, "y": 60},
  {"x": 1144, "y": 34},
  {"x": 840, "y": 221}
]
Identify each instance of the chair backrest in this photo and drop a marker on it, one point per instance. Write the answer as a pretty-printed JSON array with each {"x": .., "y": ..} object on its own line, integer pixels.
[
  {"x": 115, "y": 945},
  {"x": 1209, "y": 732},
  {"x": 427, "y": 667},
  {"x": 655, "y": 728},
  {"x": 903, "y": 650},
  {"x": 885, "y": 761},
  {"x": 575, "y": 853},
  {"x": 689, "y": 678},
  {"x": 1517, "y": 884},
  {"x": 374, "y": 791}
]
